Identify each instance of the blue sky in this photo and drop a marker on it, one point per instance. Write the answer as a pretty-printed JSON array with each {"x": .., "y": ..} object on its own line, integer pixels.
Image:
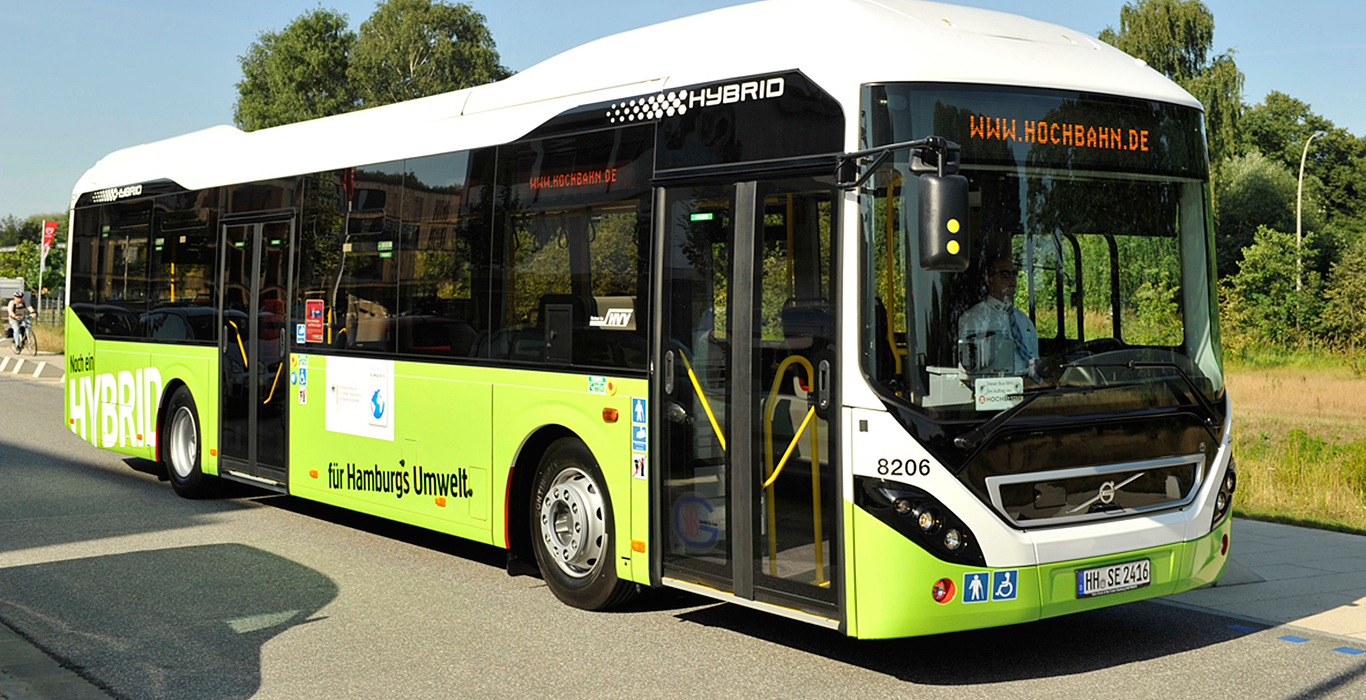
[{"x": 82, "y": 78}]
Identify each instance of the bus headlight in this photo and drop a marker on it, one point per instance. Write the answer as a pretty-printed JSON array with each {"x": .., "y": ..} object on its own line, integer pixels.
[
  {"x": 953, "y": 539},
  {"x": 928, "y": 520}
]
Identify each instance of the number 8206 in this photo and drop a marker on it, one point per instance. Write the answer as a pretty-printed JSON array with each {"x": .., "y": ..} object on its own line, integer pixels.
[{"x": 896, "y": 467}]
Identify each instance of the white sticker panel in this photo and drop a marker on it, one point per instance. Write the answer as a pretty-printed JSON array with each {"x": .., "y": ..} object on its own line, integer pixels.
[{"x": 360, "y": 397}]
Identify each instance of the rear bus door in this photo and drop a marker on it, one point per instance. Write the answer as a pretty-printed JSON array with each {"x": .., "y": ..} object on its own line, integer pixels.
[{"x": 254, "y": 381}]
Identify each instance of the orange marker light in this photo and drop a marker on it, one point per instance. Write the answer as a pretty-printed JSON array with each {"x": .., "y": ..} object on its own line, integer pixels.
[
  {"x": 213, "y": 451},
  {"x": 313, "y": 473},
  {"x": 73, "y": 421},
  {"x": 441, "y": 501},
  {"x": 637, "y": 545},
  {"x": 610, "y": 415}
]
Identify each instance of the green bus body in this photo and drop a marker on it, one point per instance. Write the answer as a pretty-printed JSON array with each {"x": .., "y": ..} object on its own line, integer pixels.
[{"x": 753, "y": 332}]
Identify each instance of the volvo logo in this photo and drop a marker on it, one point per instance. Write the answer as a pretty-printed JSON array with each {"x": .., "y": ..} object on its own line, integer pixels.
[{"x": 1106, "y": 494}]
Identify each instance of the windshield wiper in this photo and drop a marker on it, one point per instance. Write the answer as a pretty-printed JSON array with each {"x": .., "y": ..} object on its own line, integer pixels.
[
  {"x": 1211, "y": 413},
  {"x": 985, "y": 430}
]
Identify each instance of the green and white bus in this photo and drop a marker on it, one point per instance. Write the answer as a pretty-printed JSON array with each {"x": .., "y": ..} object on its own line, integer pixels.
[{"x": 893, "y": 317}]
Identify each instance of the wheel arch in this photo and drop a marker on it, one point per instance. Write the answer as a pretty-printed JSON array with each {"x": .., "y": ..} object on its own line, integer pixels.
[
  {"x": 521, "y": 479},
  {"x": 167, "y": 392}
]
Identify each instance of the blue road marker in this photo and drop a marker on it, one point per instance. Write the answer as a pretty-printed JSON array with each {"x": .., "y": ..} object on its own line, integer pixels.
[
  {"x": 1293, "y": 639},
  {"x": 1350, "y": 651},
  {"x": 976, "y": 586},
  {"x": 1242, "y": 628},
  {"x": 1003, "y": 584}
]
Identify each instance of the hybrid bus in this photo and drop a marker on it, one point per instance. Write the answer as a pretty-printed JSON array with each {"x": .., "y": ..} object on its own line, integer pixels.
[{"x": 893, "y": 317}]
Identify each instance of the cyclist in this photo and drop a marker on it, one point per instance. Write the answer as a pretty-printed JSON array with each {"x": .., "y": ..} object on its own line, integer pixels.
[{"x": 17, "y": 311}]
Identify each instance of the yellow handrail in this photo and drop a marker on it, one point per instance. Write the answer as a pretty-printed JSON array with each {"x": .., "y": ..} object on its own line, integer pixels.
[
  {"x": 810, "y": 413},
  {"x": 274, "y": 384},
  {"x": 706, "y": 404},
  {"x": 773, "y": 472},
  {"x": 238, "y": 332}
]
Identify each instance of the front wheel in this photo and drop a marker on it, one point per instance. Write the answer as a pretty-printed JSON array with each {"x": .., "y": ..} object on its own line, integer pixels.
[
  {"x": 30, "y": 342},
  {"x": 572, "y": 529},
  {"x": 181, "y": 449}
]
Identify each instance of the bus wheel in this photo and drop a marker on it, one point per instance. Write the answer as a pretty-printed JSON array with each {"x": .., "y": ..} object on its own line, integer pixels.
[
  {"x": 571, "y": 525},
  {"x": 181, "y": 451}
]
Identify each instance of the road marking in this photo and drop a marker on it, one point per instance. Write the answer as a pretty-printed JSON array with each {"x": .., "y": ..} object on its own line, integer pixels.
[{"x": 1293, "y": 639}]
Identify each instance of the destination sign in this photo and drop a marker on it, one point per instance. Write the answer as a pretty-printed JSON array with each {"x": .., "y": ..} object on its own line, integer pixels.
[{"x": 1029, "y": 127}]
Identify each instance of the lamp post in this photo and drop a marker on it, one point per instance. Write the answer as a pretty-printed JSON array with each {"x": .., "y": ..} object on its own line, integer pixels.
[{"x": 1299, "y": 199}]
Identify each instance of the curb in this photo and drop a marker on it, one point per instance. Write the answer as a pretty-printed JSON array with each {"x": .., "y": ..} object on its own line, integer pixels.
[{"x": 49, "y": 367}]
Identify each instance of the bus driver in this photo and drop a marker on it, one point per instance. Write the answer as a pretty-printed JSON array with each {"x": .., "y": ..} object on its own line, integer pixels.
[{"x": 1001, "y": 338}]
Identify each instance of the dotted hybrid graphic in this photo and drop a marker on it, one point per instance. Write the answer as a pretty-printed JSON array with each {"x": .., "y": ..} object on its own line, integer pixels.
[{"x": 652, "y": 107}]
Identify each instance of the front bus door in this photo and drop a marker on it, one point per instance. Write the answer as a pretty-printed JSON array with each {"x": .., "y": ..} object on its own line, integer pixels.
[
  {"x": 747, "y": 499},
  {"x": 254, "y": 347}
]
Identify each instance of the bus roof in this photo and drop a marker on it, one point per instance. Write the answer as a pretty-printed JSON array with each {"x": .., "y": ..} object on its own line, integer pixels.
[{"x": 840, "y": 44}]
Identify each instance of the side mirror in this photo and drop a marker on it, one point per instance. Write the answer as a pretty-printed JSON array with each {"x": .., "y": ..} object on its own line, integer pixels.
[{"x": 944, "y": 245}]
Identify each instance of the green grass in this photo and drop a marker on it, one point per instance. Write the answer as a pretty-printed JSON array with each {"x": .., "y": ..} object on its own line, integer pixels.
[{"x": 1299, "y": 436}]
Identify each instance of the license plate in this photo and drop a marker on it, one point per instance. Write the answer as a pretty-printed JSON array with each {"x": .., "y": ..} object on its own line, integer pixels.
[{"x": 1113, "y": 578}]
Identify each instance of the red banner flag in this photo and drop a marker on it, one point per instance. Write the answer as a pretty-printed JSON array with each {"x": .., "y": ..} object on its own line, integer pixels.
[{"x": 49, "y": 234}]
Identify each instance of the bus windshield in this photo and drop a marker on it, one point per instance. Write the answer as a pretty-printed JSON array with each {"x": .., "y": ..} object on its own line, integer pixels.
[{"x": 1090, "y": 255}]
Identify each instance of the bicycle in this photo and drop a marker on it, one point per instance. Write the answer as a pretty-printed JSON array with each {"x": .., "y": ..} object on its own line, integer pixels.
[{"x": 25, "y": 339}]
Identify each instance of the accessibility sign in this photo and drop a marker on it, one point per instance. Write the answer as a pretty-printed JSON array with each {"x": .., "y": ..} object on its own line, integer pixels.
[
  {"x": 638, "y": 438},
  {"x": 975, "y": 586},
  {"x": 1003, "y": 584},
  {"x": 637, "y": 411}
]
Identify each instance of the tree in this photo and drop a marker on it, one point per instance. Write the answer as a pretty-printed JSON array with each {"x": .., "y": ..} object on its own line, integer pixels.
[
  {"x": 1279, "y": 127},
  {"x": 1175, "y": 37},
  {"x": 1345, "y": 314},
  {"x": 1263, "y": 293},
  {"x": 297, "y": 73},
  {"x": 1251, "y": 191},
  {"x": 415, "y": 48}
]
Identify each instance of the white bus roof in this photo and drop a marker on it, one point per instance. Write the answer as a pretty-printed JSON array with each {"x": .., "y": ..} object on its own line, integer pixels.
[{"x": 840, "y": 44}]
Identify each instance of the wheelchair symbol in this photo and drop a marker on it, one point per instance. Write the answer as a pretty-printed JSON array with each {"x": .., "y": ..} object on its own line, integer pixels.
[{"x": 1003, "y": 584}]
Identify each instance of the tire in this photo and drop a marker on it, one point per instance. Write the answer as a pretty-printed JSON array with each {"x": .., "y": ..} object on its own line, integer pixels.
[
  {"x": 31, "y": 342},
  {"x": 181, "y": 451},
  {"x": 572, "y": 529}
]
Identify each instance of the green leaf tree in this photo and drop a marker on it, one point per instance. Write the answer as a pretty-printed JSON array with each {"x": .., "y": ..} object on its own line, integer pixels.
[
  {"x": 1336, "y": 162},
  {"x": 1263, "y": 292},
  {"x": 1251, "y": 191},
  {"x": 1176, "y": 37},
  {"x": 1344, "y": 317},
  {"x": 297, "y": 73},
  {"x": 415, "y": 48}
]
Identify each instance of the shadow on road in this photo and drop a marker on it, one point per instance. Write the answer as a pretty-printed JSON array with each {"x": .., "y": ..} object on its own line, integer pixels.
[
  {"x": 169, "y": 623},
  {"x": 1062, "y": 646}
]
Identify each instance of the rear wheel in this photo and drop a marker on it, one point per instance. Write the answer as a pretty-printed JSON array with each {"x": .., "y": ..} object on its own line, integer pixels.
[
  {"x": 572, "y": 529},
  {"x": 180, "y": 452}
]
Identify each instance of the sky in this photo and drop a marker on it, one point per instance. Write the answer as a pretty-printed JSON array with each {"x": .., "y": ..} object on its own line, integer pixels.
[{"x": 82, "y": 78}]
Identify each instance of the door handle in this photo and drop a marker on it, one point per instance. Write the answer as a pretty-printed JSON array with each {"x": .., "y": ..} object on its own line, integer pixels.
[
  {"x": 823, "y": 385},
  {"x": 669, "y": 373}
]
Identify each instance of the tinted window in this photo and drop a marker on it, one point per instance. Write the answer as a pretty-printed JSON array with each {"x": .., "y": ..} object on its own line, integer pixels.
[
  {"x": 347, "y": 247},
  {"x": 183, "y": 260},
  {"x": 84, "y": 262},
  {"x": 574, "y": 238},
  {"x": 121, "y": 299},
  {"x": 444, "y": 255}
]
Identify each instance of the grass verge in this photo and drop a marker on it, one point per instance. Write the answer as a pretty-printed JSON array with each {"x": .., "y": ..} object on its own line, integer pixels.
[{"x": 1299, "y": 435}]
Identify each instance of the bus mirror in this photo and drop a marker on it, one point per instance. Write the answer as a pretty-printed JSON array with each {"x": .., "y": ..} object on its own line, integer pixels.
[{"x": 943, "y": 223}]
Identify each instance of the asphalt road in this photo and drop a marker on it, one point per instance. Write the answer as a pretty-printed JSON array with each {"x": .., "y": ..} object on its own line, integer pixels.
[{"x": 149, "y": 596}]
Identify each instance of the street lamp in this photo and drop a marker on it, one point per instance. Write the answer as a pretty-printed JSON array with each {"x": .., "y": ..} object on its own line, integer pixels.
[{"x": 1299, "y": 198}]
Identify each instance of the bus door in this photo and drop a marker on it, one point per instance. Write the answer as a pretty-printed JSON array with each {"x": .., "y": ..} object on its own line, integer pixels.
[
  {"x": 746, "y": 493},
  {"x": 254, "y": 378}
]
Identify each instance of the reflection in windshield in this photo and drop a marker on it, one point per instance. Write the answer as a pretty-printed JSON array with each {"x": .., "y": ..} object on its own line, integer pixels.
[{"x": 1077, "y": 279}]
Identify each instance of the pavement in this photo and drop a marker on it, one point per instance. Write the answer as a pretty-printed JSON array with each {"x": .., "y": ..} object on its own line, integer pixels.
[
  {"x": 1278, "y": 576},
  {"x": 44, "y": 365}
]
